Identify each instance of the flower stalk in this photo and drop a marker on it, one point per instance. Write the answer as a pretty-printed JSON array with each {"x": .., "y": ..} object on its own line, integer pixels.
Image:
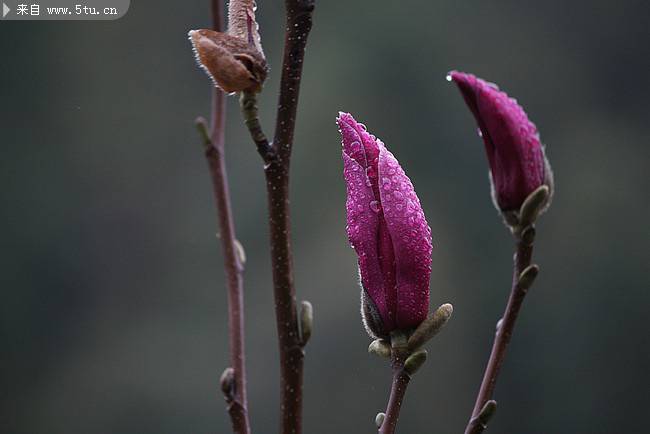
[
  {"x": 401, "y": 379},
  {"x": 524, "y": 275}
]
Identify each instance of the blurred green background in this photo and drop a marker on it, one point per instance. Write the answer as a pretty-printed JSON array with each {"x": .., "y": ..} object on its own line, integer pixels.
[{"x": 113, "y": 316}]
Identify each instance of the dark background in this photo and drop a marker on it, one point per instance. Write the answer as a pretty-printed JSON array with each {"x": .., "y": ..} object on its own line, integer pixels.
[{"x": 113, "y": 316}]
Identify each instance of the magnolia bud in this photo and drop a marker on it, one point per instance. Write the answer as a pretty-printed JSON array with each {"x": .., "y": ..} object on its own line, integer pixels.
[
  {"x": 388, "y": 230},
  {"x": 518, "y": 164}
]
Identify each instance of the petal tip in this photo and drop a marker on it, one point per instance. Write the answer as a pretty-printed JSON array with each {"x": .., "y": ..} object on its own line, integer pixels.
[
  {"x": 452, "y": 75},
  {"x": 345, "y": 118}
]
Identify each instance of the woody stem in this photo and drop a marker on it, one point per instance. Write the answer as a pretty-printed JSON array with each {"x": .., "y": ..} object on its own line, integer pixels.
[{"x": 277, "y": 157}]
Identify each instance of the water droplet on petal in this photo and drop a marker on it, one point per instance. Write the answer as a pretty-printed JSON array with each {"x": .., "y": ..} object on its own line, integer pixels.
[{"x": 374, "y": 205}]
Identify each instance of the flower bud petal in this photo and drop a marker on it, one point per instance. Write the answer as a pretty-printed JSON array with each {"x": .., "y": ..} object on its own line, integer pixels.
[
  {"x": 362, "y": 228},
  {"x": 411, "y": 237}
]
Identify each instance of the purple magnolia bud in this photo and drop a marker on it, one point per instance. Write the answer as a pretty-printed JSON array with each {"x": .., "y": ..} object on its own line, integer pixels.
[
  {"x": 518, "y": 165},
  {"x": 387, "y": 229}
]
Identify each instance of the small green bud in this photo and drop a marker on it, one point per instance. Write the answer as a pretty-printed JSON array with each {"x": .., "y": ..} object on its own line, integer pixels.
[
  {"x": 306, "y": 321},
  {"x": 227, "y": 382},
  {"x": 430, "y": 326},
  {"x": 380, "y": 347},
  {"x": 241, "y": 253},
  {"x": 527, "y": 277},
  {"x": 415, "y": 361},
  {"x": 379, "y": 419},
  {"x": 202, "y": 127},
  {"x": 533, "y": 206},
  {"x": 528, "y": 235},
  {"x": 487, "y": 412}
]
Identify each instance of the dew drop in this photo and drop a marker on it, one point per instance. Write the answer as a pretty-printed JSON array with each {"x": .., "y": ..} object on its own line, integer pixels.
[{"x": 374, "y": 206}]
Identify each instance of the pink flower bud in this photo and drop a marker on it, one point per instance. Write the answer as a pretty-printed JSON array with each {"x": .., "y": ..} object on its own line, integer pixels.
[
  {"x": 518, "y": 165},
  {"x": 387, "y": 229}
]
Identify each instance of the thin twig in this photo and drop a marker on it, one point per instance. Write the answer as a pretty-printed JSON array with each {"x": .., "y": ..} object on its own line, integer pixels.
[
  {"x": 235, "y": 389},
  {"x": 248, "y": 104},
  {"x": 524, "y": 251}
]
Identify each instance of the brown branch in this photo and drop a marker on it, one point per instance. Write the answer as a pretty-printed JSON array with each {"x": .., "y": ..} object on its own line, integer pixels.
[
  {"x": 523, "y": 276},
  {"x": 298, "y": 26},
  {"x": 233, "y": 382},
  {"x": 277, "y": 158}
]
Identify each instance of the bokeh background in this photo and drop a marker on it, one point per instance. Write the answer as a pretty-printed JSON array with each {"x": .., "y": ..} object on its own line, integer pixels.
[{"x": 113, "y": 315}]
